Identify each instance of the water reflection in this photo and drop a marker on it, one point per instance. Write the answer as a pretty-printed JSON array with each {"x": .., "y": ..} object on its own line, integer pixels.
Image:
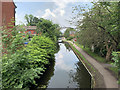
[
  {"x": 44, "y": 81},
  {"x": 66, "y": 72},
  {"x": 81, "y": 76}
]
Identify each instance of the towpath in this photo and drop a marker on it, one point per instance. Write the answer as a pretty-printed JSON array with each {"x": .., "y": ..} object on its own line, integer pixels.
[{"x": 109, "y": 80}]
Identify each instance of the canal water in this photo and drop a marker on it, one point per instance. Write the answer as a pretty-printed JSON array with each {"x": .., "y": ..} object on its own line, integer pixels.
[{"x": 66, "y": 71}]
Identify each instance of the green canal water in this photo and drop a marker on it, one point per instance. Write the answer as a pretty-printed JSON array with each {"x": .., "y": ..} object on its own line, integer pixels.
[{"x": 66, "y": 71}]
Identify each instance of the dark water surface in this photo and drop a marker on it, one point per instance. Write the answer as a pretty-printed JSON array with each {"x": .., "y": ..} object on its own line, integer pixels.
[{"x": 66, "y": 72}]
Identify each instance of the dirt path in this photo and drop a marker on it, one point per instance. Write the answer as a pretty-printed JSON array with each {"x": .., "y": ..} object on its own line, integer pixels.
[{"x": 110, "y": 81}]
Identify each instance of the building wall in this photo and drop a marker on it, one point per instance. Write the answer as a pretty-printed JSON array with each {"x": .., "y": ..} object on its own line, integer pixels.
[
  {"x": 8, "y": 14},
  {"x": 0, "y": 13},
  {"x": 0, "y": 33}
]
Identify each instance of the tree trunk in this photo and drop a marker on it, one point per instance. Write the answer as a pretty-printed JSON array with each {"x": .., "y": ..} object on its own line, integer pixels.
[
  {"x": 92, "y": 48},
  {"x": 109, "y": 51},
  {"x": 108, "y": 55}
]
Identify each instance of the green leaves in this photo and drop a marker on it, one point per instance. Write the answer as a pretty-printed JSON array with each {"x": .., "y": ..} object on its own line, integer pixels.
[
  {"x": 116, "y": 58},
  {"x": 67, "y": 33},
  {"x": 22, "y": 68},
  {"x": 23, "y": 64},
  {"x": 100, "y": 27}
]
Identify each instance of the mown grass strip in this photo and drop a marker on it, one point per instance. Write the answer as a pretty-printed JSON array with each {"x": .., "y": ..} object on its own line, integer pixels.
[{"x": 94, "y": 55}]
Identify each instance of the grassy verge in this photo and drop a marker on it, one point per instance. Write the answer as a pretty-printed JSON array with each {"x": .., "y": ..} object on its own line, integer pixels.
[
  {"x": 99, "y": 58},
  {"x": 114, "y": 69},
  {"x": 96, "y": 56}
]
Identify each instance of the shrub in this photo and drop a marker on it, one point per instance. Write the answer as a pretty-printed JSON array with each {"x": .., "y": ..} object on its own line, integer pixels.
[
  {"x": 21, "y": 68},
  {"x": 116, "y": 58}
]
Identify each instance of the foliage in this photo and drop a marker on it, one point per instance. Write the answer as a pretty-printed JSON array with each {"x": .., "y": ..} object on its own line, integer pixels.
[
  {"x": 12, "y": 40},
  {"x": 31, "y": 20},
  {"x": 68, "y": 32},
  {"x": 96, "y": 56},
  {"x": 99, "y": 27},
  {"x": 47, "y": 28},
  {"x": 70, "y": 38},
  {"x": 44, "y": 27},
  {"x": 116, "y": 58},
  {"x": 22, "y": 68}
]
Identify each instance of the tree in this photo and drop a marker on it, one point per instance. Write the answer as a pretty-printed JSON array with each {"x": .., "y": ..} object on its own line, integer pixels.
[
  {"x": 98, "y": 26},
  {"x": 47, "y": 28},
  {"x": 68, "y": 32},
  {"x": 31, "y": 20}
]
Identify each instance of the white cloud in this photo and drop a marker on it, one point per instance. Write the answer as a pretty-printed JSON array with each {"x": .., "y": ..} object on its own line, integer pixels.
[
  {"x": 57, "y": 14},
  {"x": 61, "y": 64},
  {"x": 58, "y": 11},
  {"x": 39, "y": 12},
  {"x": 48, "y": 13},
  {"x": 62, "y": 12},
  {"x": 60, "y": 3}
]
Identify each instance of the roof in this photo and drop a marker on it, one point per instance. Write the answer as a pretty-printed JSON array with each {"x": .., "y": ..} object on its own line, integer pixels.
[
  {"x": 27, "y": 27},
  {"x": 14, "y": 5},
  {"x": 30, "y": 27}
]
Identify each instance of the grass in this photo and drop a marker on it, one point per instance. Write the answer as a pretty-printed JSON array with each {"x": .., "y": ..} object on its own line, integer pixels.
[
  {"x": 114, "y": 69},
  {"x": 99, "y": 58},
  {"x": 83, "y": 58},
  {"x": 94, "y": 55}
]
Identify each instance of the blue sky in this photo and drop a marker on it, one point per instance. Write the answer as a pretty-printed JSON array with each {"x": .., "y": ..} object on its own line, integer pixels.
[{"x": 59, "y": 11}]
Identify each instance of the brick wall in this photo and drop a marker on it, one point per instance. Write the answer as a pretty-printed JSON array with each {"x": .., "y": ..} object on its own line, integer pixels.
[
  {"x": 8, "y": 14},
  {"x": 0, "y": 13}
]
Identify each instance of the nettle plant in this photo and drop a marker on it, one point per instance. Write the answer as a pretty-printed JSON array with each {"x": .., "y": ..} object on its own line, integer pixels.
[
  {"x": 21, "y": 64},
  {"x": 12, "y": 40},
  {"x": 13, "y": 43}
]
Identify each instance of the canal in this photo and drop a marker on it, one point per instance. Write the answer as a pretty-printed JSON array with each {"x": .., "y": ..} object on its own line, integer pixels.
[{"x": 66, "y": 71}]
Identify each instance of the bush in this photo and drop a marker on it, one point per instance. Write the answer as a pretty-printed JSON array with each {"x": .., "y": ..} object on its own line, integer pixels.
[
  {"x": 21, "y": 68},
  {"x": 116, "y": 58}
]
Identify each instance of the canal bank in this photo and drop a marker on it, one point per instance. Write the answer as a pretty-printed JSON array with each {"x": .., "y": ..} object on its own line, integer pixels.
[{"x": 102, "y": 78}]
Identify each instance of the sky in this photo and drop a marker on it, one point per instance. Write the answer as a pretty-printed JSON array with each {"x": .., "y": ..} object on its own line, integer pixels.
[{"x": 59, "y": 11}]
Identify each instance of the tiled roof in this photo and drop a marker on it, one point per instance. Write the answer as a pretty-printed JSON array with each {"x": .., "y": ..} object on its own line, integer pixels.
[{"x": 30, "y": 27}]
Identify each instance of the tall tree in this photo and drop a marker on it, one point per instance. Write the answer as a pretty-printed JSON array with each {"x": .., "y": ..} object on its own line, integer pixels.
[
  {"x": 99, "y": 26},
  {"x": 31, "y": 20}
]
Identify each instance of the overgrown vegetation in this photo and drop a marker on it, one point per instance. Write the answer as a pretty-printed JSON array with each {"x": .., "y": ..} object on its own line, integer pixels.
[
  {"x": 94, "y": 55},
  {"x": 116, "y": 58},
  {"x": 22, "y": 68},
  {"x": 23, "y": 64}
]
